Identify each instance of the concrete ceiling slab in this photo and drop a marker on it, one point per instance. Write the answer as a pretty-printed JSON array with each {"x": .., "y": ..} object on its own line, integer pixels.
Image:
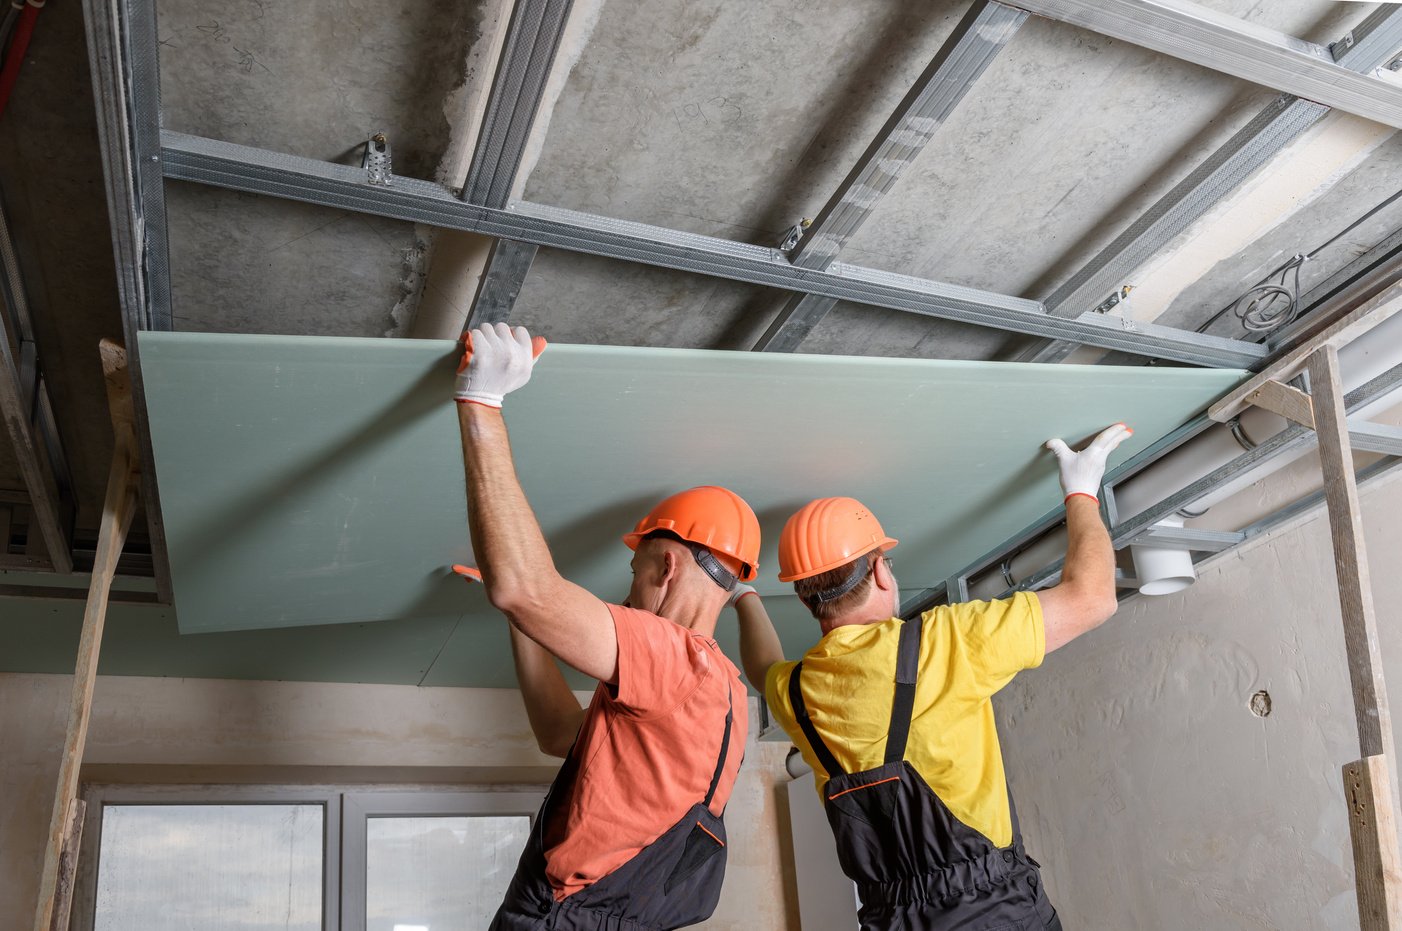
[
  {"x": 1347, "y": 199},
  {"x": 318, "y": 79},
  {"x": 314, "y": 480},
  {"x": 247, "y": 264}
]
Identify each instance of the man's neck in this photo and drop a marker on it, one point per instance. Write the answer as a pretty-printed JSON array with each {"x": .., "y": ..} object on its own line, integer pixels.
[{"x": 849, "y": 620}]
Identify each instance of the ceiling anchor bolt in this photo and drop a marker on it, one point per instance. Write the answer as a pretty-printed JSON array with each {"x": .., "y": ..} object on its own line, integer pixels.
[
  {"x": 795, "y": 233},
  {"x": 377, "y": 161}
]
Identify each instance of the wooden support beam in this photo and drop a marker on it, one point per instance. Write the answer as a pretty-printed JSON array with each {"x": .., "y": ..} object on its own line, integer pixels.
[
  {"x": 1375, "y": 868},
  {"x": 117, "y": 510},
  {"x": 1287, "y": 401},
  {"x": 1345, "y": 330},
  {"x": 1372, "y": 827},
  {"x": 68, "y": 865}
]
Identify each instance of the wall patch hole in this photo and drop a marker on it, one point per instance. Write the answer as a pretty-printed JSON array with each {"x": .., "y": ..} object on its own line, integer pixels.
[{"x": 1260, "y": 704}]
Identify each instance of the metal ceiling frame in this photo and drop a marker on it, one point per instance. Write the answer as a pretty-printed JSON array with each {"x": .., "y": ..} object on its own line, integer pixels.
[
  {"x": 122, "y": 44},
  {"x": 138, "y": 157},
  {"x": 243, "y": 168},
  {"x": 1369, "y": 45},
  {"x": 1139, "y": 528},
  {"x": 1223, "y": 43},
  {"x": 518, "y": 86},
  {"x": 978, "y": 38}
]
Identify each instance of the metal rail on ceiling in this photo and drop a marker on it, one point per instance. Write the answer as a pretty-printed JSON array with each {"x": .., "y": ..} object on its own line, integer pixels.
[
  {"x": 1194, "y": 33},
  {"x": 122, "y": 53},
  {"x": 1137, "y": 528},
  {"x": 1371, "y": 44},
  {"x": 222, "y": 164},
  {"x": 518, "y": 86},
  {"x": 978, "y": 38}
]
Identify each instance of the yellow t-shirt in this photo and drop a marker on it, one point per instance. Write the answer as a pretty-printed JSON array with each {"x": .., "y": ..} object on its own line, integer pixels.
[{"x": 967, "y": 653}]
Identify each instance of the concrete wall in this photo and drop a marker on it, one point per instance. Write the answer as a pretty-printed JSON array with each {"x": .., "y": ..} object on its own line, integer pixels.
[
  {"x": 1153, "y": 794},
  {"x": 202, "y": 730}
]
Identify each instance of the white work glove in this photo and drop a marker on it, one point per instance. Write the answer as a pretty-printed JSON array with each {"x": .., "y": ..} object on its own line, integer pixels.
[
  {"x": 1082, "y": 471},
  {"x": 496, "y": 360},
  {"x": 739, "y": 591}
]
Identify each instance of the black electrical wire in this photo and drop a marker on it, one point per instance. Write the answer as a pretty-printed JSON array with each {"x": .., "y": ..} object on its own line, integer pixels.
[
  {"x": 7, "y": 27},
  {"x": 1269, "y": 305}
]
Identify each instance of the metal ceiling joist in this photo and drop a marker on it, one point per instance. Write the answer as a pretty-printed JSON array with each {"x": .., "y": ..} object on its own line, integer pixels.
[
  {"x": 122, "y": 45},
  {"x": 1371, "y": 44},
  {"x": 1194, "y": 33},
  {"x": 1140, "y": 528},
  {"x": 532, "y": 39},
  {"x": 222, "y": 164},
  {"x": 25, "y": 408},
  {"x": 965, "y": 55},
  {"x": 1375, "y": 438}
]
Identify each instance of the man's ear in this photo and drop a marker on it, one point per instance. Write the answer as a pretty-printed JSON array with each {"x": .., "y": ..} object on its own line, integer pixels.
[
  {"x": 670, "y": 565},
  {"x": 881, "y": 574}
]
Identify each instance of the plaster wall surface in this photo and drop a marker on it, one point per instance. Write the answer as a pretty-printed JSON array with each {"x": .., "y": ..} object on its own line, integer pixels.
[
  {"x": 210, "y": 731},
  {"x": 1153, "y": 794}
]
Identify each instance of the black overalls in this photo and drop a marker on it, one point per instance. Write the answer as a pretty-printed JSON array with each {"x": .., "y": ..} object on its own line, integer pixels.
[
  {"x": 671, "y": 883},
  {"x": 916, "y": 866}
]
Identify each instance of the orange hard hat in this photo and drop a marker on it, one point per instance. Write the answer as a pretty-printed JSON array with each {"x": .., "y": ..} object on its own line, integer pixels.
[
  {"x": 709, "y": 516},
  {"x": 826, "y": 534}
]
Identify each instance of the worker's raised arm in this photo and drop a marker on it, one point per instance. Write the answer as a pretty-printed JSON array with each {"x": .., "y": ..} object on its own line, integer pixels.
[
  {"x": 1085, "y": 597},
  {"x": 759, "y": 643},
  {"x": 511, "y": 553}
]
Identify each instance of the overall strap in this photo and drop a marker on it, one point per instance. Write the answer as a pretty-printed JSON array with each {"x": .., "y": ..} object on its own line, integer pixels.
[
  {"x": 724, "y": 745},
  {"x": 800, "y": 713},
  {"x": 903, "y": 703}
]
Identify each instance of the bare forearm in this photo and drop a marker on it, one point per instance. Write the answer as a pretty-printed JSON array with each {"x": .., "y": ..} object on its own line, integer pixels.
[
  {"x": 555, "y": 714},
  {"x": 506, "y": 539},
  {"x": 1085, "y": 597},
  {"x": 759, "y": 642},
  {"x": 1090, "y": 559}
]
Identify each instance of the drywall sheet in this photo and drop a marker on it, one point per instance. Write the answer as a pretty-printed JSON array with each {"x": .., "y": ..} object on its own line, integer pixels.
[{"x": 314, "y": 480}]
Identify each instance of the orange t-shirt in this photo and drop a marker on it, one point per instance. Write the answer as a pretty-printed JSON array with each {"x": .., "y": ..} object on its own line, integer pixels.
[{"x": 647, "y": 749}]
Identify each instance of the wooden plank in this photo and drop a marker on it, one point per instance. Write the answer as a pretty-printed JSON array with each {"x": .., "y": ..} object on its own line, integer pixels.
[
  {"x": 1375, "y": 835},
  {"x": 1287, "y": 401},
  {"x": 68, "y": 865},
  {"x": 1363, "y": 318},
  {"x": 117, "y": 511},
  {"x": 1372, "y": 827}
]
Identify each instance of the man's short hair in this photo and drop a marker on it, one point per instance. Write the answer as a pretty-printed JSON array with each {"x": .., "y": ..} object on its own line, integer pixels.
[{"x": 808, "y": 589}]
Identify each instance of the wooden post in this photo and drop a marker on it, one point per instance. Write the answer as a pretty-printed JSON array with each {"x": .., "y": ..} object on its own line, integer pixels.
[
  {"x": 117, "y": 511},
  {"x": 1368, "y": 782}
]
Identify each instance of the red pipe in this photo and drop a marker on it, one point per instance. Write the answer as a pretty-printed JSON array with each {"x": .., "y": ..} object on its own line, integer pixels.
[{"x": 18, "y": 46}]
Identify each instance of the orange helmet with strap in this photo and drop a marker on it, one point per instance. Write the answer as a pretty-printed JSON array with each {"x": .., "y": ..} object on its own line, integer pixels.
[
  {"x": 827, "y": 534},
  {"x": 721, "y": 529}
]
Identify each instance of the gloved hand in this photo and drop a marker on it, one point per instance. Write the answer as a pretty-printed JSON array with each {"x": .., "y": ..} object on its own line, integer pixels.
[
  {"x": 739, "y": 591},
  {"x": 1082, "y": 471},
  {"x": 496, "y": 360}
]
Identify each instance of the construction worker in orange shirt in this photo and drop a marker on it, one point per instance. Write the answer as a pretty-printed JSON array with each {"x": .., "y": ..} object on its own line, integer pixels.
[
  {"x": 895, "y": 716},
  {"x": 630, "y": 834}
]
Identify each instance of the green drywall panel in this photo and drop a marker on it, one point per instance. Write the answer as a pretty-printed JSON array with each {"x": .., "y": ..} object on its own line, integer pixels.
[{"x": 312, "y": 480}]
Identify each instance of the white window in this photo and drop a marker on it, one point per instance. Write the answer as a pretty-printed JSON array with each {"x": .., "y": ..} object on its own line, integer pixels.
[{"x": 293, "y": 858}]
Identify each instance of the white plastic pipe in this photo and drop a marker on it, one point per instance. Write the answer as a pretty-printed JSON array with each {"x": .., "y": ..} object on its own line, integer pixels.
[{"x": 1163, "y": 570}]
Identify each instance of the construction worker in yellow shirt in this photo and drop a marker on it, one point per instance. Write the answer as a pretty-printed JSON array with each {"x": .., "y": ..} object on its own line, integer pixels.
[{"x": 895, "y": 717}]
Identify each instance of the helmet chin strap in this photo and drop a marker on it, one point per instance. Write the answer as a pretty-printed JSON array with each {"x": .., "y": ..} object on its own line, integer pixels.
[
  {"x": 860, "y": 570},
  {"x": 712, "y": 566}
]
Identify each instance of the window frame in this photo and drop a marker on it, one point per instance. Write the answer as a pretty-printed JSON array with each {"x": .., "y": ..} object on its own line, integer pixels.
[
  {"x": 345, "y": 812},
  {"x": 360, "y": 806}
]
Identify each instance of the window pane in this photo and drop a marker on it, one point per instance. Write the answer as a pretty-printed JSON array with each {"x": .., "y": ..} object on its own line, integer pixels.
[
  {"x": 230, "y": 867},
  {"x": 439, "y": 874}
]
